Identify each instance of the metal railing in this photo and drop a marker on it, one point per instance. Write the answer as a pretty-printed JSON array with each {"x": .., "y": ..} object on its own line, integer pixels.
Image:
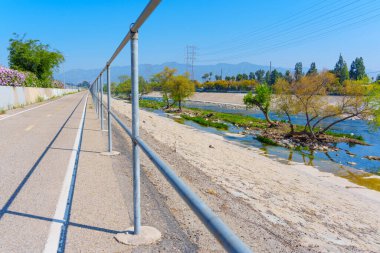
[{"x": 215, "y": 225}]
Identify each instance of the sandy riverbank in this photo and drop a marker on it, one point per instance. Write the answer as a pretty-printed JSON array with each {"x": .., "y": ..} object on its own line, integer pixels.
[{"x": 328, "y": 213}]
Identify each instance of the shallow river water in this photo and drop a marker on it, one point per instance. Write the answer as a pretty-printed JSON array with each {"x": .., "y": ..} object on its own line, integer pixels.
[{"x": 334, "y": 162}]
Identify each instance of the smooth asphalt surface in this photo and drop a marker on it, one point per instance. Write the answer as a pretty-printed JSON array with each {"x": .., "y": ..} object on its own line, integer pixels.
[
  {"x": 35, "y": 149},
  {"x": 56, "y": 199}
]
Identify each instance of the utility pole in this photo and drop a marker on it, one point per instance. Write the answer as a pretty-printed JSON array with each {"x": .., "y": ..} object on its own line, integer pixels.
[
  {"x": 221, "y": 73},
  {"x": 190, "y": 58},
  {"x": 270, "y": 67}
]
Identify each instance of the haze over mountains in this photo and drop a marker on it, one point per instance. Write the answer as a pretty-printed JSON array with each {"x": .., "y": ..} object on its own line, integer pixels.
[{"x": 147, "y": 70}]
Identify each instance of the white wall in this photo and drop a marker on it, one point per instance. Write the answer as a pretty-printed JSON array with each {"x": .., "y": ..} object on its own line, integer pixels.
[{"x": 16, "y": 96}]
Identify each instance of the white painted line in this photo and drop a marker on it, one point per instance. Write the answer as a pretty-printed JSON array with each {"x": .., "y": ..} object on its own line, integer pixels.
[
  {"x": 27, "y": 110},
  {"x": 29, "y": 128},
  {"x": 52, "y": 242}
]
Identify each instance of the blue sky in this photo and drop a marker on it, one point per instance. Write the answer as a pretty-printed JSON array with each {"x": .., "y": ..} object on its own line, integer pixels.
[{"x": 230, "y": 31}]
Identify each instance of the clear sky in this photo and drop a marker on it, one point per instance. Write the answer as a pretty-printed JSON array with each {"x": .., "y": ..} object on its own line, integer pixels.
[{"x": 230, "y": 31}]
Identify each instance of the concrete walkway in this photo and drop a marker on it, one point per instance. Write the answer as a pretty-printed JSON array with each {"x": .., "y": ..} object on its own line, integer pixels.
[{"x": 36, "y": 148}]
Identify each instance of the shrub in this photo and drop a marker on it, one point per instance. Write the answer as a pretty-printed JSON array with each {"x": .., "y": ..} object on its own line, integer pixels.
[
  {"x": 266, "y": 140},
  {"x": 203, "y": 122},
  {"x": 10, "y": 77},
  {"x": 31, "y": 80}
]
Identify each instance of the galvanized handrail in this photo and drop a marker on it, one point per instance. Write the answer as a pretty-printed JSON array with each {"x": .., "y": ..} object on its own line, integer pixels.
[{"x": 215, "y": 225}]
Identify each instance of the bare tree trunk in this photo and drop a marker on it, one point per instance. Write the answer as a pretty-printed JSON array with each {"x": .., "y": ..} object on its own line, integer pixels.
[
  {"x": 309, "y": 126},
  {"x": 290, "y": 123},
  {"x": 323, "y": 118},
  {"x": 337, "y": 121},
  {"x": 266, "y": 114}
]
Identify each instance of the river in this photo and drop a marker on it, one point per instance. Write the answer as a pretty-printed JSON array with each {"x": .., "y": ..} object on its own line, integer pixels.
[{"x": 348, "y": 158}]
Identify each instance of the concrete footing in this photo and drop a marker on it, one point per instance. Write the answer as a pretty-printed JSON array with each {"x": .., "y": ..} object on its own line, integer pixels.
[
  {"x": 148, "y": 235},
  {"x": 112, "y": 153}
]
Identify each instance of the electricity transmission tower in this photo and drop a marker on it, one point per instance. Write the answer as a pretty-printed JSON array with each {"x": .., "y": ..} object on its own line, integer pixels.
[{"x": 190, "y": 58}]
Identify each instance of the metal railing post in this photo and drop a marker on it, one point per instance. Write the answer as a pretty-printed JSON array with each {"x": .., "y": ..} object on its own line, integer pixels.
[
  {"x": 101, "y": 102},
  {"x": 109, "y": 109},
  {"x": 98, "y": 95},
  {"x": 96, "y": 98},
  {"x": 135, "y": 131}
]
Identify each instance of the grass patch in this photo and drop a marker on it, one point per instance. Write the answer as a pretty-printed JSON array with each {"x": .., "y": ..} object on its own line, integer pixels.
[
  {"x": 40, "y": 99},
  {"x": 238, "y": 120},
  {"x": 266, "y": 140},
  {"x": 179, "y": 120},
  {"x": 235, "y": 119},
  {"x": 363, "y": 180},
  {"x": 152, "y": 104},
  {"x": 208, "y": 123},
  {"x": 2, "y": 111},
  {"x": 344, "y": 135}
]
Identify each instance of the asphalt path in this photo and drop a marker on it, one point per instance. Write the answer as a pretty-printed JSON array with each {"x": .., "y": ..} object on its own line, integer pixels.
[{"x": 36, "y": 148}]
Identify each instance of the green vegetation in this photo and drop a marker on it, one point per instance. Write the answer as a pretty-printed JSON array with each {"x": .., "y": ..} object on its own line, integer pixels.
[
  {"x": 208, "y": 117},
  {"x": 36, "y": 59},
  {"x": 39, "y": 99},
  {"x": 174, "y": 87},
  {"x": 2, "y": 111},
  {"x": 363, "y": 179},
  {"x": 345, "y": 135},
  {"x": 152, "y": 104},
  {"x": 180, "y": 88},
  {"x": 262, "y": 100},
  {"x": 235, "y": 119},
  {"x": 205, "y": 122},
  {"x": 266, "y": 140},
  {"x": 307, "y": 96},
  {"x": 301, "y": 148},
  {"x": 179, "y": 120}
]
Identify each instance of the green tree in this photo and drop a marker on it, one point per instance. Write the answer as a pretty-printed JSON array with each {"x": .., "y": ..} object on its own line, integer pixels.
[
  {"x": 181, "y": 87},
  {"x": 298, "y": 71},
  {"x": 35, "y": 57},
  {"x": 378, "y": 78},
  {"x": 239, "y": 77},
  {"x": 206, "y": 77},
  {"x": 274, "y": 76},
  {"x": 161, "y": 80},
  {"x": 260, "y": 75},
  {"x": 341, "y": 70},
  {"x": 125, "y": 86},
  {"x": 313, "y": 69},
  {"x": 244, "y": 77},
  {"x": 267, "y": 77},
  {"x": 357, "y": 71},
  {"x": 218, "y": 77},
  {"x": 262, "y": 99},
  {"x": 144, "y": 86},
  {"x": 288, "y": 76},
  {"x": 251, "y": 76}
]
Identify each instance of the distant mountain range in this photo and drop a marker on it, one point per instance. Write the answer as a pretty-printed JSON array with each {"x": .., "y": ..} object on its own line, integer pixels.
[{"x": 147, "y": 70}]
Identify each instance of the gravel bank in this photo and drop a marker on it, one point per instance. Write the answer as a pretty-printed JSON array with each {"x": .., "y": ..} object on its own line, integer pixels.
[{"x": 272, "y": 206}]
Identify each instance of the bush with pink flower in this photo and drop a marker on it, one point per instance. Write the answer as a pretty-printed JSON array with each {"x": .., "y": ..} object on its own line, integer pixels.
[{"x": 10, "y": 77}]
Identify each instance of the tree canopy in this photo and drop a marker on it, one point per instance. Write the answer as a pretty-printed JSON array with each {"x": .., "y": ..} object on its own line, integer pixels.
[
  {"x": 357, "y": 70},
  {"x": 341, "y": 70},
  {"x": 262, "y": 100},
  {"x": 33, "y": 56}
]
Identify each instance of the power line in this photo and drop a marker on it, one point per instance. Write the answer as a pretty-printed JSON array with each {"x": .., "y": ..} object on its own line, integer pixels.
[
  {"x": 311, "y": 34},
  {"x": 274, "y": 24},
  {"x": 297, "y": 28}
]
